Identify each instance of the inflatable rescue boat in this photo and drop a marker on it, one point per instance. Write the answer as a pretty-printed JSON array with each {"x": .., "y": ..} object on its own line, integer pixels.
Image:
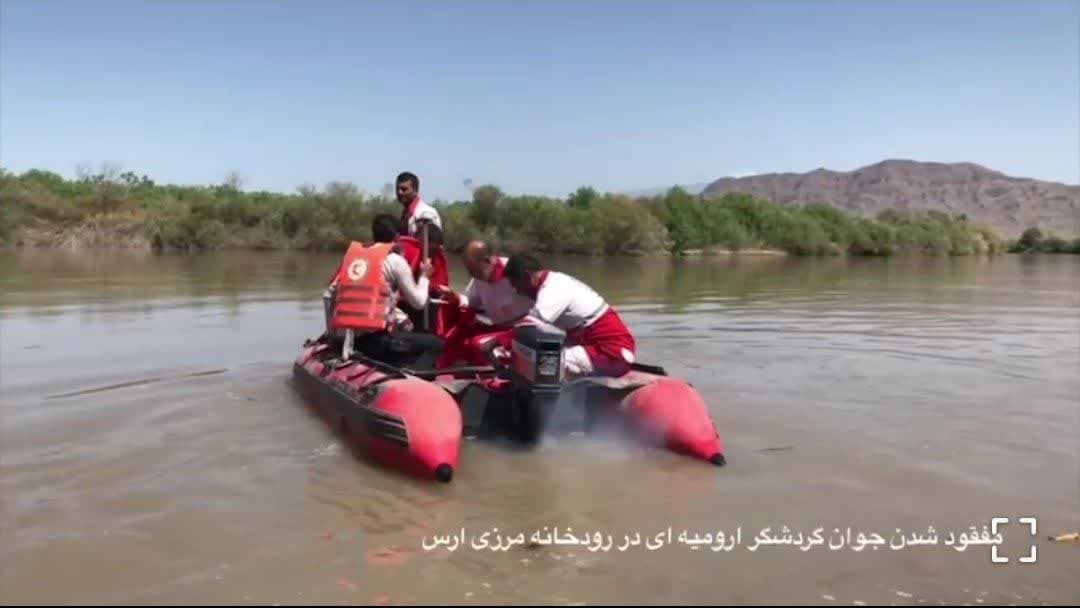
[{"x": 413, "y": 420}]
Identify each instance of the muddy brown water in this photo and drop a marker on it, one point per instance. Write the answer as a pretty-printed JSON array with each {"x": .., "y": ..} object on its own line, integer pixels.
[{"x": 152, "y": 449}]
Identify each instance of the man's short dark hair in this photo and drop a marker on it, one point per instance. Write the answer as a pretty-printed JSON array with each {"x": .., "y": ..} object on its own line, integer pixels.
[
  {"x": 408, "y": 177},
  {"x": 521, "y": 265},
  {"x": 385, "y": 228}
]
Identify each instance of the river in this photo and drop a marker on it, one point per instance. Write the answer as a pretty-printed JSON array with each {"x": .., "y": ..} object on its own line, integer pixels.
[{"x": 153, "y": 450}]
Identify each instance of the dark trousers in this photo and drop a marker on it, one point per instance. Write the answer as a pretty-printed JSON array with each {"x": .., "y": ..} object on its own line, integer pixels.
[
  {"x": 417, "y": 315},
  {"x": 412, "y": 349}
]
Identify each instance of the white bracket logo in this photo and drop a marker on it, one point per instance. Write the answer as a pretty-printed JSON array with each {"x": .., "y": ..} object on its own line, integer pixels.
[{"x": 994, "y": 557}]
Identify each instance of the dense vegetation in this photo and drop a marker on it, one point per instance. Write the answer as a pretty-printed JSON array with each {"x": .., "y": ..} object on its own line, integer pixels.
[
  {"x": 122, "y": 209},
  {"x": 1034, "y": 241}
]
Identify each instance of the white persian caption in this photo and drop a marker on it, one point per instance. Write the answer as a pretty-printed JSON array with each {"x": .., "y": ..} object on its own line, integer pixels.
[{"x": 718, "y": 540}]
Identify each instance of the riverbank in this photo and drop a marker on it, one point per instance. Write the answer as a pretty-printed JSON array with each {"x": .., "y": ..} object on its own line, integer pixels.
[
  {"x": 42, "y": 209},
  {"x": 98, "y": 235}
]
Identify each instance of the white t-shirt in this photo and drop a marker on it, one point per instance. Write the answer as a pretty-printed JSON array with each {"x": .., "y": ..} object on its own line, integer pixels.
[
  {"x": 498, "y": 300},
  {"x": 398, "y": 275},
  {"x": 422, "y": 211},
  {"x": 567, "y": 303}
]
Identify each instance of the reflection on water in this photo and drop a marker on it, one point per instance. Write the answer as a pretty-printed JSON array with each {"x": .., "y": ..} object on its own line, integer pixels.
[
  {"x": 152, "y": 450},
  {"x": 49, "y": 282}
]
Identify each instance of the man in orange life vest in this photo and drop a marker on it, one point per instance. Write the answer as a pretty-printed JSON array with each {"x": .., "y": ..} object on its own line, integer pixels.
[
  {"x": 599, "y": 343},
  {"x": 414, "y": 209},
  {"x": 365, "y": 300},
  {"x": 488, "y": 293}
]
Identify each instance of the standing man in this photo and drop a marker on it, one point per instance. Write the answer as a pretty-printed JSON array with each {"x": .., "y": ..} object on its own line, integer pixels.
[
  {"x": 414, "y": 209},
  {"x": 414, "y": 214}
]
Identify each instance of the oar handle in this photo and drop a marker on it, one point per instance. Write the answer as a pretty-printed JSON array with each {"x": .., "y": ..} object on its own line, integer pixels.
[{"x": 427, "y": 305}]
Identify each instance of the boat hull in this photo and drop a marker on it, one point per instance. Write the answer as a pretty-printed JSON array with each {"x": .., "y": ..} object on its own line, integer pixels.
[
  {"x": 414, "y": 423},
  {"x": 397, "y": 421}
]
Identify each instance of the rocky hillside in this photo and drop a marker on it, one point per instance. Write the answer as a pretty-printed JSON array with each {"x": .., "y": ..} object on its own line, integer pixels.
[{"x": 1008, "y": 204}]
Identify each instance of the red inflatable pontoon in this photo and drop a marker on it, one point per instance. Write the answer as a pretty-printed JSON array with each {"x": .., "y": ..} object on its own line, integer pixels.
[{"x": 399, "y": 421}]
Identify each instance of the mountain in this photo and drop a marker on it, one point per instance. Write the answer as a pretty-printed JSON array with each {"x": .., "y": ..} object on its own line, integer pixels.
[{"x": 1008, "y": 204}]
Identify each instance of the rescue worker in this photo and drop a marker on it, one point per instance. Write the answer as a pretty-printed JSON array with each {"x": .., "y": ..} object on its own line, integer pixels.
[
  {"x": 599, "y": 343},
  {"x": 439, "y": 318},
  {"x": 364, "y": 303},
  {"x": 396, "y": 269},
  {"x": 414, "y": 209},
  {"x": 488, "y": 293}
]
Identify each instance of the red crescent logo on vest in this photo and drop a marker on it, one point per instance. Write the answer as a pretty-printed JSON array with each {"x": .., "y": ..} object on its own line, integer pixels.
[{"x": 357, "y": 270}]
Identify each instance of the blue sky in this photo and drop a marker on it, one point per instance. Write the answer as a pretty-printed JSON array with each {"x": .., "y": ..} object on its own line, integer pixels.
[{"x": 538, "y": 97}]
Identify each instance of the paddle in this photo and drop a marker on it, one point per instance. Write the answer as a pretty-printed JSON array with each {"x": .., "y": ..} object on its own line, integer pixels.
[{"x": 427, "y": 306}]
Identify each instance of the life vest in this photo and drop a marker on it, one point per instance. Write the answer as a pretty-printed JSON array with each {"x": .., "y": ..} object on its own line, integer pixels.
[
  {"x": 412, "y": 249},
  {"x": 363, "y": 301}
]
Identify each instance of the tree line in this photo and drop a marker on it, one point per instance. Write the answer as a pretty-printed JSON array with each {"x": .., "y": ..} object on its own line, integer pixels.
[{"x": 111, "y": 208}]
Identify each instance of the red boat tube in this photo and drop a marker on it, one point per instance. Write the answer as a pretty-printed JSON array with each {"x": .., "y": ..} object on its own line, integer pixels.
[
  {"x": 668, "y": 412},
  {"x": 398, "y": 421}
]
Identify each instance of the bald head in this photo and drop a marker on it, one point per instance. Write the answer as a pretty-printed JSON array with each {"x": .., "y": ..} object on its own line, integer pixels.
[
  {"x": 478, "y": 260},
  {"x": 477, "y": 251}
]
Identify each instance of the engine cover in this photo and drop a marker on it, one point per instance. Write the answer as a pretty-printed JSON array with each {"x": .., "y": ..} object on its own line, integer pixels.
[{"x": 536, "y": 356}]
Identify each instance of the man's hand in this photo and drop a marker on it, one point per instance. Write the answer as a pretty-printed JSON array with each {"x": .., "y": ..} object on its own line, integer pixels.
[{"x": 426, "y": 268}]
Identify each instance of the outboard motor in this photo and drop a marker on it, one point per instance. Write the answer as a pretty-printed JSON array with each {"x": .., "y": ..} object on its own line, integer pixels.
[{"x": 536, "y": 366}]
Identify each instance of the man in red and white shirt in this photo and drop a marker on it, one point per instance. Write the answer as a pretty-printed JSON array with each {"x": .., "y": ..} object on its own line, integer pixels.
[
  {"x": 488, "y": 293},
  {"x": 599, "y": 342},
  {"x": 414, "y": 209}
]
